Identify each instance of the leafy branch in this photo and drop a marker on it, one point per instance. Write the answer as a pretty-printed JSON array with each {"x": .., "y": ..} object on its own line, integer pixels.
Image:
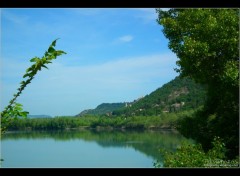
[{"x": 14, "y": 110}]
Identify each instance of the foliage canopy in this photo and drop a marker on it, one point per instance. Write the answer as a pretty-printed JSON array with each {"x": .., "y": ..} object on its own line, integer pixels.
[{"x": 206, "y": 42}]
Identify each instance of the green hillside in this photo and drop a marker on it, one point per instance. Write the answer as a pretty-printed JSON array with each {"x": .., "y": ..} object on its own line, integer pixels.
[
  {"x": 177, "y": 95},
  {"x": 104, "y": 108}
]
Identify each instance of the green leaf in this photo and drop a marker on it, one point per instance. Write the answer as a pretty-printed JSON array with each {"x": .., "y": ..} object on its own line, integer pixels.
[
  {"x": 45, "y": 66},
  {"x": 48, "y": 62},
  {"x": 60, "y": 52},
  {"x": 24, "y": 114},
  {"x": 34, "y": 59},
  {"x": 54, "y": 42},
  {"x": 18, "y": 104},
  {"x": 44, "y": 59},
  {"x": 18, "y": 107},
  {"x": 29, "y": 69},
  {"x": 51, "y": 49},
  {"x": 46, "y": 54},
  {"x": 28, "y": 81},
  {"x": 24, "y": 76}
]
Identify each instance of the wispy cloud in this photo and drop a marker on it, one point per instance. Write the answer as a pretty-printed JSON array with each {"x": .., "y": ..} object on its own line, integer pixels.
[
  {"x": 124, "y": 79},
  {"x": 16, "y": 19},
  {"x": 117, "y": 73},
  {"x": 94, "y": 70},
  {"x": 126, "y": 38},
  {"x": 122, "y": 39}
]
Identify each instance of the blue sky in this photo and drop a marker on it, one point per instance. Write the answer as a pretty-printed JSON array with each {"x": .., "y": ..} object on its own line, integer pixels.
[{"x": 113, "y": 55}]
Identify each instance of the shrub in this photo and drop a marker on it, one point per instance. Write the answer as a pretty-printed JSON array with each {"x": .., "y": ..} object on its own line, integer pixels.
[{"x": 194, "y": 156}]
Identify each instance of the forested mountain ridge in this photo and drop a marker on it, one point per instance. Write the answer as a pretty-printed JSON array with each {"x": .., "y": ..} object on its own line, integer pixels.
[
  {"x": 176, "y": 95},
  {"x": 39, "y": 116},
  {"x": 104, "y": 108}
]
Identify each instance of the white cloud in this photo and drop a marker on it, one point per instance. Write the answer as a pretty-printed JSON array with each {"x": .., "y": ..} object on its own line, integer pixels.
[
  {"x": 125, "y": 38},
  {"x": 110, "y": 74},
  {"x": 71, "y": 89}
]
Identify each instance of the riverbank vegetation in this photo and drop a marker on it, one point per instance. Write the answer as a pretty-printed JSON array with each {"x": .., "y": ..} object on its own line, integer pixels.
[{"x": 163, "y": 121}]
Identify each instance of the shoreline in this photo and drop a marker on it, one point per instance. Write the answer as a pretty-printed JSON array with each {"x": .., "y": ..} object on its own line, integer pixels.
[{"x": 98, "y": 128}]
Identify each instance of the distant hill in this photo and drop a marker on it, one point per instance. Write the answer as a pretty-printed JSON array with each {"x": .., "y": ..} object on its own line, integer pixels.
[
  {"x": 104, "y": 108},
  {"x": 39, "y": 116},
  {"x": 176, "y": 95}
]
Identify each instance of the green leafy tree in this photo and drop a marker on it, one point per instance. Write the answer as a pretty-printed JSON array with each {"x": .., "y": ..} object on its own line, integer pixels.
[
  {"x": 14, "y": 110},
  {"x": 206, "y": 41}
]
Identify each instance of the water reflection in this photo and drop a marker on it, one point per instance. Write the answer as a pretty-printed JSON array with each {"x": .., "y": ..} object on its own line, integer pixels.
[{"x": 146, "y": 142}]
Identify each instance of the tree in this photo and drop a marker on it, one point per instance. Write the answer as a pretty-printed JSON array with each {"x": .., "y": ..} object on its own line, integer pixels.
[
  {"x": 206, "y": 41},
  {"x": 14, "y": 110}
]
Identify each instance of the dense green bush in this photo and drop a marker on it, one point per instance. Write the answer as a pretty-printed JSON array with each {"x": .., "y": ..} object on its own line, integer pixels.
[
  {"x": 203, "y": 127},
  {"x": 194, "y": 156}
]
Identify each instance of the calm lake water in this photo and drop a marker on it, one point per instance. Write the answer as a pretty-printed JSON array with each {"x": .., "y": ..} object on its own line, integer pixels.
[{"x": 86, "y": 148}]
